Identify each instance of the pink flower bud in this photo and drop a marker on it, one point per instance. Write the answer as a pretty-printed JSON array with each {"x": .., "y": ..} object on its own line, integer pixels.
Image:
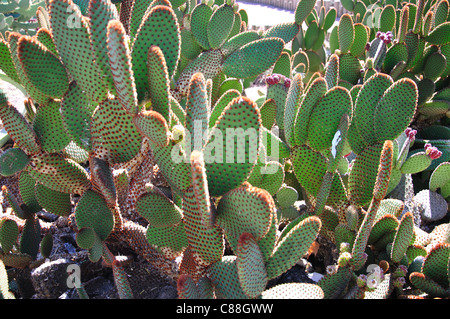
[
  {"x": 432, "y": 151},
  {"x": 276, "y": 78},
  {"x": 287, "y": 83},
  {"x": 378, "y": 34}
]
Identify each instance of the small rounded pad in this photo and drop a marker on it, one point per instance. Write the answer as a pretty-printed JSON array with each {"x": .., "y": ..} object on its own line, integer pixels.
[
  {"x": 247, "y": 61},
  {"x": 85, "y": 238},
  {"x": 245, "y": 209},
  {"x": 158, "y": 210},
  {"x": 154, "y": 126},
  {"x": 9, "y": 232},
  {"x": 92, "y": 212},
  {"x": 54, "y": 202},
  {"x": 293, "y": 246},
  {"x": 13, "y": 160},
  {"x": 114, "y": 135}
]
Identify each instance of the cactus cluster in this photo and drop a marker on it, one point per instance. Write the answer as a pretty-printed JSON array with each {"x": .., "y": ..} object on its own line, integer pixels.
[{"x": 119, "y": 93}]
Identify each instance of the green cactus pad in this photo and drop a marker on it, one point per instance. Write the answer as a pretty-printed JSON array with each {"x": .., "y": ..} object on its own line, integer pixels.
[
  {"x": 268, "y": 113},
  {"x": 332, "y": 71},
  {"x": 119, "y": 61},
  {"x": 245, "y": 209},
  {"x": 16, "y": 260},
  {"x": 220, "y": 105},
  {"x": 54, "y": 202},
  {"x": 309, "y": 168},
  {"x": 206, "y": 242},
  {"x": 246, "y": 62},
  {"x": 440, "y": 35},
  {"x": 49, "y": 127},
  {"x": 363, "y": 175},
  {"x": 417, "y": 162},
  {"x": 302, "y": 10},
  {"x": 390, "y": 206},
  {"x": 220, "y": 25},
  {"x": 92, "y": 212},
  {"x": 187, "y": 289},
  {"x": 285, "y": 30},
  {"x": 13, "y": 160},
  {"x": 313, "y": 94},
  {"x": 225, "y": 280},
  {"x": 45, "y": 37},
  {"x": 293, "y": 246},
  {"x": 9, "y": 232},
  {"x": 153, "y": 125},
  {"x": 200, "y": 17},
  {"x": 209, "y": 63},
  {"x": 268, "y": 176},
  {"x": 387, "y": 18},
  {"x": 250, "y": 266},
  {"x": 114, "y": 136},
  {"x": 158, "y": 80},
  {"x": 349, "y": 69},
  {"x": 403, "y": 237},
  {"x": 140, "y": 8},
  {"x": 238, "y": 41},
  {"x": 158, "y": 210},
  {"x": 59, "y": 173},
  {"x": 434, "y": 66},
  {"x": 426, "y": 284},
  {"x": 293, "y": 100},
  {"x": 278, "y": 93},
  {"x": 326, "y": 116},
  {"x": 364, "y": 111},
  {"x": 440, "y": 176},
  {"x": 383, "y": 225},
  {"x": 435, "y": 264},
  {"x": 346, "y": 33},
  {"x": 6, "y": 61},
  {"x": 197, "y": 111},
  {"x": 293, "y": 291},
  {"x": 27, "y": 191},
  {"x": 176, "y": 171},
  {"x": 200, "y": 186},
  {"x": 85, "y": 238},
  {"x": 33, "y": 92},
  {"x": 31, "y": 237},
  {"x": 68, "y": 23},
  {"x": 17, "y": 127},
  {"x": 76, "y": 111},
  {"x": 287, "y": 196},
  {"x": 100, "y": 14},
  {"x": 233, "y": 145},
  {"x": 395, "y": 54},
  {"x": 159, "y": 20},
  {"x": 190, "y": 49},
  {"x": 395, "y": 110},
  {"x": 171, "y": 241}
]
